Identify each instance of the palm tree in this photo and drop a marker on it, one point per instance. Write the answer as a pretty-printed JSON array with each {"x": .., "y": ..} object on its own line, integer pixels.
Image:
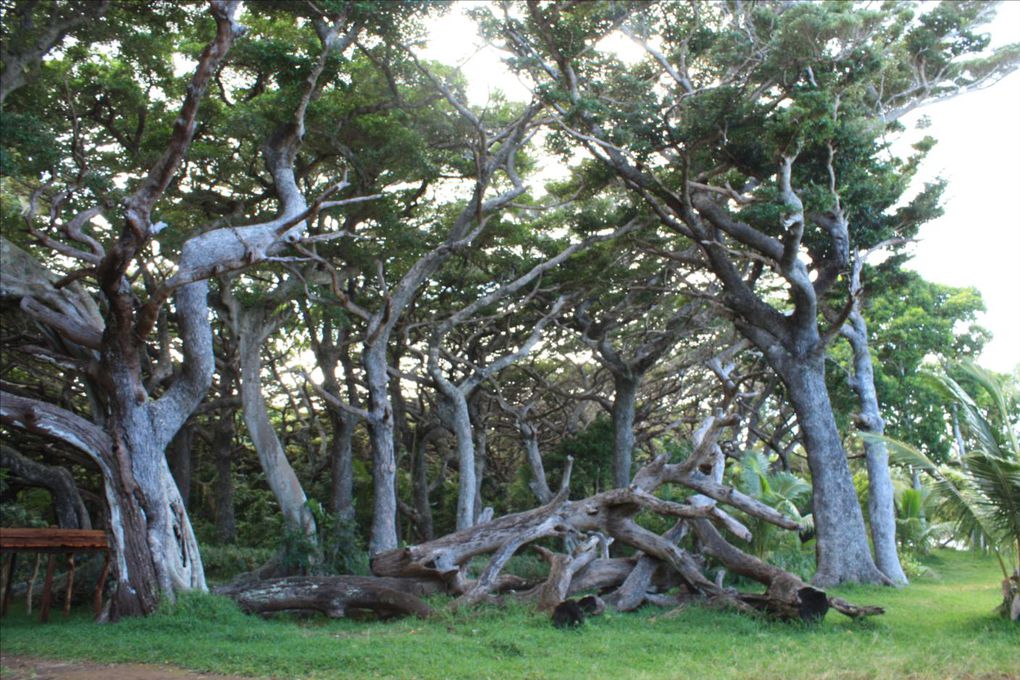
[
  {"x": 782, "y": 490},
  {"x": 980, "y": 493}
]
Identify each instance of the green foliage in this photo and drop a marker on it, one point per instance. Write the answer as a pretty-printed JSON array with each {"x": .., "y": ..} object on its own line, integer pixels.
[
  {"x": 340, "y": 548},
  {"x": 787, "y": 493},
  {"x": 29, "y": 508},
  {"x": 916, "y": 531},
  {"x": 592, "y": 450},
  {"x": 335, "y": 550},
  {"x": 980, "y": 496},
  {"x": 223, "y": 562}
]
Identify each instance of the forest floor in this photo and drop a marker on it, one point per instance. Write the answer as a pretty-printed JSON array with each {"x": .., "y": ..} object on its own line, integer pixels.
[{"x": 941, "y": 626}]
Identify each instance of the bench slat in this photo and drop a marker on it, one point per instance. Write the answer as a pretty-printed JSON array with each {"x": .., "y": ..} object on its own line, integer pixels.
[{"x": 52, "y": 539}]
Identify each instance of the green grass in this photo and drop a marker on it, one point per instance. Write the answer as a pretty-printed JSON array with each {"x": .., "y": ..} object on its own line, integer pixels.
[{"x": 941, "y": 626}]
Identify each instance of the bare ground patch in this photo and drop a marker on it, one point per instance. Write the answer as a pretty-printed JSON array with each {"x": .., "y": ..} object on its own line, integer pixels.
[{"x": 32, "y": 668}]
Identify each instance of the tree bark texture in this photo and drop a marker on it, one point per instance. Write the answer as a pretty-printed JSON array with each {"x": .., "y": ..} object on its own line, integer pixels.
[
  {"x": 384, "y": 464},
  {"x": 179, "y": 455},
  {"x": 253, "y": 328},
  {"x": 881, "y": 502},
  {"x": 624, "y": 403},
  {"x": 223, "y": 449},
  {"x": 841, "y": 546},
  {"x": 334, "y": 596}
]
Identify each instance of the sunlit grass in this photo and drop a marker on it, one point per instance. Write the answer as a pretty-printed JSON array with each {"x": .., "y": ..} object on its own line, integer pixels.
[{"x": 941, "y": 626}]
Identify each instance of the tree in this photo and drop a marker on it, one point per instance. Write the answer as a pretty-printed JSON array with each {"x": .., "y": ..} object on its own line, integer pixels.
[
  {"x": 761, "y": 98},
  {"x": 495, "y": 153},
  {"x": 252, "y": 325},
  {"x": 154, "y": 547}
]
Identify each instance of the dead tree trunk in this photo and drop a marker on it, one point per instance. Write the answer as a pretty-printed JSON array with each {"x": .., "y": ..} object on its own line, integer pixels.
[{"x": 334, "y": 596}]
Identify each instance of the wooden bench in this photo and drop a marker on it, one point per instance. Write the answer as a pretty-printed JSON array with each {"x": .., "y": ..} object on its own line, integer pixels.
[{"x": 54, "y": 542}]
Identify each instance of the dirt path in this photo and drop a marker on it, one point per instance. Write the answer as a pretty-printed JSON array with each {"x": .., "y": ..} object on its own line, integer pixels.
[{"x": 31, "y": 668}]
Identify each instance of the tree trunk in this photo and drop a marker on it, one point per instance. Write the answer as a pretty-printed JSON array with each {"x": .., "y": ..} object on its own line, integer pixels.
[
  {"x": 481, "y": 446},
  {"x": 841, "y": 547},
  {"x": 334, "y": 596},
  {"x": 384, "y": 465},
  {"x": 331, "y": 352},
  {"x": 539, "y": 484},
  {"x": 223, "y": 488},
  {"x": 881, "y": 505},
  {"x": 624, "y": 402},
  {"x": 455, "y": 415},
  {"x": 252, "y": 331},
  {"x": 420, "y": 486},
  {"x": 180, "y": 458},
  {"x": 147, "y": 495},
  {"x": 341, "y": 466}
]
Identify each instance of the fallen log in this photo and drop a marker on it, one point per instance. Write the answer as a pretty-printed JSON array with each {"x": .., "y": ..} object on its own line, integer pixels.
[{"x": 334, "y": 596}]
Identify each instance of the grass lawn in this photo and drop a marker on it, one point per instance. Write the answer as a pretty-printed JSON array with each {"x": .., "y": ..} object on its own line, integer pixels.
[{"x": 941, "y": 626}]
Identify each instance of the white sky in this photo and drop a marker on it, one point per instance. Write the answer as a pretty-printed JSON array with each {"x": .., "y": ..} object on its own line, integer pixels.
[{"x": 975, "y": 243}]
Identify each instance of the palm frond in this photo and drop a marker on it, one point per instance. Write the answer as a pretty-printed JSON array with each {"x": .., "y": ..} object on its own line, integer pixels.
[
  {"x": 997, "y": 482},
  {"x": 956, "y": 501}
]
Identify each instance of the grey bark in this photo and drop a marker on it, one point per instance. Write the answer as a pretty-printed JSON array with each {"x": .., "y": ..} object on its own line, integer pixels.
[
  {"x": 539, "y": 484},
  {"x": 420, "y": 487},
  {"x": 179, "y": 455},
  {"x": 341, "y": 466},
  {"x": 624, "y": 403},
  {"x": 881, "y": 503},
  {"x": 223, "y": 488},
  {"x": 609, "y": 515},
  {"x": 481, "y": 444},
  {"x": 381, "y": 322},
  {"x": 795, "y": 349},
  {"x": 841, "y": 547},
  {"x": 253, "y": 327},
  {"x": 334, "y": 596},
  {"x": 455, "y": 415},
  {"x": 384, "y": 464}
]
